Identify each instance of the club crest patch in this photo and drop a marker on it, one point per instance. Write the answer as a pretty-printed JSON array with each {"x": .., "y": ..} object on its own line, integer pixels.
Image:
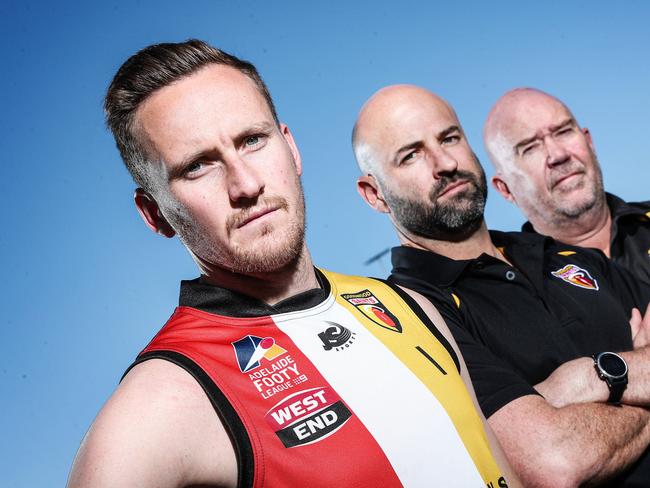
[
  {"x": 576, "y": 276},
  {"x": 371, "y": 307}
]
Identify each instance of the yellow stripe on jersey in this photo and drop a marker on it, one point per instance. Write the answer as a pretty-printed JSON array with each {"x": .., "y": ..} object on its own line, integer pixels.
[
  {"x": 422, "y": 353},
  {"x": 456, "y": 300},
  {"x": 566, "y": 253}
]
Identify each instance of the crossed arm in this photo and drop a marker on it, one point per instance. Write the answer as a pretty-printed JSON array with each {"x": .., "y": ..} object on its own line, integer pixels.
[
  {"x": 569, "y": 446},
  {"x": 576, "y": 381}
]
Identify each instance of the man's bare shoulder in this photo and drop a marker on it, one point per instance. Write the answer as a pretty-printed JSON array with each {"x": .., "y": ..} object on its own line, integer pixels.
[
  {"x": 433, "y": 314},
  {"x": 157, "y": 429}
]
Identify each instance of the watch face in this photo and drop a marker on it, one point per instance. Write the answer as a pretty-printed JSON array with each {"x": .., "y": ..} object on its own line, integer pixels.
[{"x": 612, "y": 365}]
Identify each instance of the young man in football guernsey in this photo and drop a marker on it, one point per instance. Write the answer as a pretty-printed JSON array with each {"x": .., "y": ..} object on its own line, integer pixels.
[
  {"x": 527, "y": 304},
  {"x": 270, "y": 373},
  {"x": 546, "y": 164}
]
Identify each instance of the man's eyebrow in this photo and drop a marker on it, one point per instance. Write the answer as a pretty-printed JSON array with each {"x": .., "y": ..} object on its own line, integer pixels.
[
  {"x": 177, "y": 168},
  {"x": 263, "y": 126},
  {"x": 407, "y": 147},
  {"x": 449, "y": 130},
  {"x": 553, "y": 128},
  {"x": 415, "y": 144},
  {"x": 568, "y": 121},
  {"x": 524, "y": 142}
]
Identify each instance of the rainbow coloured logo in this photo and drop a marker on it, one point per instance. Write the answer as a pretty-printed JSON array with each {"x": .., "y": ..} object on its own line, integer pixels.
[{"x": 251, "y": 350}]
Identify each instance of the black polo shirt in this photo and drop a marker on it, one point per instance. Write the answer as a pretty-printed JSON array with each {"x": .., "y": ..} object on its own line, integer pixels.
[
  {"x": 556, "y": 303},
  {"x": 630, "y": 239}
]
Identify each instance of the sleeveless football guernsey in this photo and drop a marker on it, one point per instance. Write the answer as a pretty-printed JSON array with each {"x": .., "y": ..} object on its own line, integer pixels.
[{"x": 355, "y": 391}]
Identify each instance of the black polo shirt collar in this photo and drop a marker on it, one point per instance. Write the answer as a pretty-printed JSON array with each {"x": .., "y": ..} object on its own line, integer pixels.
[
  {"x": 200, "y": 294},
  {"x": 443, "y": 272}
]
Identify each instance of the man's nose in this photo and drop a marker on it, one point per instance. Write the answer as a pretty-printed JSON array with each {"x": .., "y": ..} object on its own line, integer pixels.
[
  {"x": 556, "y": 153},
  {"x": 443, "y": 162},
  {"x": 244, "y": 181}
]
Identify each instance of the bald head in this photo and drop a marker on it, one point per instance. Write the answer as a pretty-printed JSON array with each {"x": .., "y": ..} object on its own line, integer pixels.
[
  {"x": 418, "y": 166},
  {"x": 544, "y": 161},
  {"x": 513, "y": 117},
  {"x": 373, "y": 138}
]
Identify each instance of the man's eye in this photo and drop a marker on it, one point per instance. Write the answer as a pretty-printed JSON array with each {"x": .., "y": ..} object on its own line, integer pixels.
[
  {"x": 193, "y": 167},
  {"x": 564, "y": 131},
  {"x": 408, "y": 157},
  {"x": 451, "y": 139},
  {"x": 252, "y": 140},
  {"x": 527, "y": 150}
]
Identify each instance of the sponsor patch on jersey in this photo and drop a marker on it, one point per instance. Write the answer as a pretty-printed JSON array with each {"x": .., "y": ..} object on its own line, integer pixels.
[
  {"x": 576, "y": 276},
  {"x": 371, "y": 307},
  {"x": 336, "y": 337},
  {"x": 308, "y": 416},
  {"x": 270, "y": 368}
]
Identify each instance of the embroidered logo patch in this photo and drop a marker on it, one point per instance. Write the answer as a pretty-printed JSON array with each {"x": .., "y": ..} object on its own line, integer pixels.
[
  {"x": 250, "y": 351},
  {"x": 371, "y": 307},
  {"x": 576, "y": 276}
]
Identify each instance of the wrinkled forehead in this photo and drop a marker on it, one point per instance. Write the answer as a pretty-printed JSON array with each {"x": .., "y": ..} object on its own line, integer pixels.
[
  {"x": 529, "y": 115},
  {"x": 394, "y": 123}
]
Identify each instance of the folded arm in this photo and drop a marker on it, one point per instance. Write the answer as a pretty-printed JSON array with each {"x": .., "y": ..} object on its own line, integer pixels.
[
  {"x": 569, "y": 446},
  {"x": 576, "y": 381}
]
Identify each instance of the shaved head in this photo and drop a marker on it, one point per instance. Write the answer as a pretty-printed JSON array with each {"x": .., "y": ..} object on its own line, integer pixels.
[
  {"x": 417, "y": 165},
  {"x": 387, "y": 108},
  {"x": 511, "y": 110},
  {"x": 544, "y": 161}
]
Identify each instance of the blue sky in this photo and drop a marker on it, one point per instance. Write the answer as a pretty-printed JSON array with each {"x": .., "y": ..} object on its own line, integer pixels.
[{"x": 86, "y": 284}]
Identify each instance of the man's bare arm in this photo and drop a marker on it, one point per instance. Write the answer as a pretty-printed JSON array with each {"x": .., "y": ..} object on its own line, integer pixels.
[
  {"x": 158, "y": 429},
  {"x": 576, "y": 381},
  {"x": 570, "y": 446}
]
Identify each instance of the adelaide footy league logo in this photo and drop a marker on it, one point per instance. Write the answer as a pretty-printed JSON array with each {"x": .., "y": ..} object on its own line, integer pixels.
[
  {"x": 576, "y": 276},
  {"x": 371, "y": 307},
  {"x": 251, "y": 350}
]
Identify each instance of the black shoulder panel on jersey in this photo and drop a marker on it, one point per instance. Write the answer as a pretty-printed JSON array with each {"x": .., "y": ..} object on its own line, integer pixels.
[
  {"x": 410, "y": 301},
  {"x": 226, "y": 412}
]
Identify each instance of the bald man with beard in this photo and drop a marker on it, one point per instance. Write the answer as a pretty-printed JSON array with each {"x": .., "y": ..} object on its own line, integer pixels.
[
  {"x": 524, "y": 304},
  {"x": 546, "y": 164}
]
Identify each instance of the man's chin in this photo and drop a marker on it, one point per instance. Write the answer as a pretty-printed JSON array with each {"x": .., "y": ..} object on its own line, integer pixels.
[
  {"x": 575, "y": 205},
  {"x": 268, "y": 254}
]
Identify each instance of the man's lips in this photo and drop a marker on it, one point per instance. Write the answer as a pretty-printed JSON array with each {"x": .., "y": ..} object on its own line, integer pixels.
[
  {"x": 451, "y": 187},
  {"x": 254, "y": 215},
  {"x": 566, "y": 177}
]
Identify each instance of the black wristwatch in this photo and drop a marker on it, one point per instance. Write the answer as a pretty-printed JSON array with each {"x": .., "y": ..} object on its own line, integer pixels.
[{"x": 612, "y": 369}]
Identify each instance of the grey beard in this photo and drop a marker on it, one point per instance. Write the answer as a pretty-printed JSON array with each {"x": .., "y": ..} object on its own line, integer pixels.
[{"x": 451, "y": 221}]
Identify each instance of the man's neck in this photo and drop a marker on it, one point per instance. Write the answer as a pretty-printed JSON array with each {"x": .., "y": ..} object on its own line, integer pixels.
[
  {"x": 272, "y": 287},
  {"x": 591, "y": 229},
  {"x": 479, "y": 242}
]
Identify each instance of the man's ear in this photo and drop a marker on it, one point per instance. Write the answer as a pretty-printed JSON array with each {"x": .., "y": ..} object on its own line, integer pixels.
[
  {"x": 590, "y": 141},
  {"x": 292, "y": 146},
  {"x": 370, "y": 192},
  {"x": 151, "y": 214},
  {"x": 502, "y": 187}
]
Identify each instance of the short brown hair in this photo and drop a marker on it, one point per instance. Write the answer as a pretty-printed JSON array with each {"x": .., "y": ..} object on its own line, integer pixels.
[{"x": 150, "y": 69}]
